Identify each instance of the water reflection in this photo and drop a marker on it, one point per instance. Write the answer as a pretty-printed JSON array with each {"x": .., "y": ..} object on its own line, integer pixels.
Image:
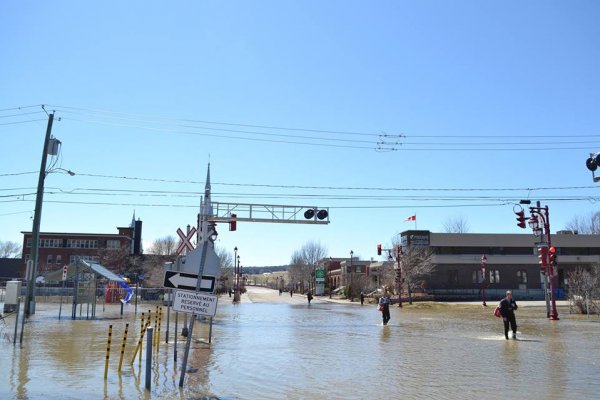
[{"x": 282, "y": 348}]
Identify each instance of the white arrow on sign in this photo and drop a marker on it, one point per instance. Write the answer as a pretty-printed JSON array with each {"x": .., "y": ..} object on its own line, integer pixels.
[{"x": 179, "y": 280}]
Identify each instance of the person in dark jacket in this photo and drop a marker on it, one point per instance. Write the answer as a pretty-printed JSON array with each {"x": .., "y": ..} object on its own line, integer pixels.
[
  {"x": 384, "y": 304},
  {"x": 507, "y": 309}
]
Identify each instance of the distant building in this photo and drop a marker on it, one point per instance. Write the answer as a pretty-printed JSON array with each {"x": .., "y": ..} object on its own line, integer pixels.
[
  {"x": 512, "y": 261},
  {"x": 61, "y": 248},
  {"x": 511, "y": 264}
]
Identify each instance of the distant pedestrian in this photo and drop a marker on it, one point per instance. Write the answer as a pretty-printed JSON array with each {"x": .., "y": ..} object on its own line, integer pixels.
[
  {"x": 384, "y": 307},
  {"x": 280, "y": 291},
  {"x": 362, "y": 298},
  {"x": 229, "y": 291},
  {"x": 309, "y": 296},
  {"x": 507, "y": 309},
  {"x": 291, "y": 292}
]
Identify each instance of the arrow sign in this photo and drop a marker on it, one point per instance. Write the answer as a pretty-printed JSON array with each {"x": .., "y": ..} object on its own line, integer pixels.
[{"x": 186, "y": 281}]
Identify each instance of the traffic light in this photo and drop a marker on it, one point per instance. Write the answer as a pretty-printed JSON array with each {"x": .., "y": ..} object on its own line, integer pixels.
[
  {"x": 233, "y": 222},
  {"x": 520, "y": 219},
  {"x": 378, "y": 249},
  {"x": 543, "y": 258},
  {"x": 552, "y": 256},
  {"x": 593, "y": 161}
]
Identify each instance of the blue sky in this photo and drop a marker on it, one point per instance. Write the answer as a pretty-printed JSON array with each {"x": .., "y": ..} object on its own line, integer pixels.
[{"x": 387, "y": 109}]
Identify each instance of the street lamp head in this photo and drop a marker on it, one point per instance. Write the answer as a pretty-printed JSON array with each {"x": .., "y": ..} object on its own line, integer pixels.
[{"x": 534, "y": 223}]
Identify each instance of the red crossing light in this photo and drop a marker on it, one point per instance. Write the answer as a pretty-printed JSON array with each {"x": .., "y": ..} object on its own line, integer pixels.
[
  {"x": 233, "y": 222},
  {"x": 378, "y": 249},
  {"x": 543, "y": 258},
  {"x": 520, "y": 219},
  {"x": 552, "y": 255}
]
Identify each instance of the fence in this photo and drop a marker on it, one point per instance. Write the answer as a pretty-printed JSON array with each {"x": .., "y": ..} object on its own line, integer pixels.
[{"x": 53, "y": 294}]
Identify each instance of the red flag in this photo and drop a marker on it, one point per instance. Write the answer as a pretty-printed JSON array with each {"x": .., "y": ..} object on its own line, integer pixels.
[{"x": 411, "y": 218}]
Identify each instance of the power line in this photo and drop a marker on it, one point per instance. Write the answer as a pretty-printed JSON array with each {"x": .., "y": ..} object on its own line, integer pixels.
[
  {"x": 22, "y": 122},
  {"x": 172, "y": 131},
  {"x": 278, "y": 186},
  {"x": 147, "y": 117},
  {"x": 20, "y": 107},
  {"x": 21, "y": 114}
]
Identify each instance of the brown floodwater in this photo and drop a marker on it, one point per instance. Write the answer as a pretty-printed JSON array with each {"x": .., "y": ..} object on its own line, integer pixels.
[{"x": 279, "y": 347}]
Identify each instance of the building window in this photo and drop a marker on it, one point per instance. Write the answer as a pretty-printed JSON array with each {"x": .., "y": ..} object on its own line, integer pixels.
[
  {"x": 453, "y": 277},
  {"x": 113, "y": 244},
  {"x": 494, "y": 276},
  {"x": 59, "y": 259},
  {"x": 522, "y": 276},
  {"x": 29, "y": 242},
  {"x": 49, "y": 259},
  {"x": 358, "y": 269},
  {"x": 50, "y": 243},
  {"x": 82, "y": 244},
  {"x": 477, "y": 276}
]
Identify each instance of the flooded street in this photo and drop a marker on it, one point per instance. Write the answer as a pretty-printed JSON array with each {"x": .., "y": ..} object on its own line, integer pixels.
[{"x": 279, "y": 347}]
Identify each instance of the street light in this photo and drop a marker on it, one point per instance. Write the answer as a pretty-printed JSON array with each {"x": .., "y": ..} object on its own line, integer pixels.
[
  {"x": 329, "y": 275},
  {"x": 399, "y": 273},
  {"x": 351, "y": 276},
  {"x": 483, "y": 265},
  {"x": 236, "y": 261},
  {"x": 542, "y": 215}
]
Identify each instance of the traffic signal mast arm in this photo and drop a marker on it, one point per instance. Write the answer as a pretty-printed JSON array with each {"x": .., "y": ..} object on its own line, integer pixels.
[
  {"x": 245, "y": 212},
  {"x": 397, "y": 249}
]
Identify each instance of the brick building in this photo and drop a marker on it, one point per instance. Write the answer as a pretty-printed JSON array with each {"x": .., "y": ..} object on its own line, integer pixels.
[{"x": 61, "y": 248}]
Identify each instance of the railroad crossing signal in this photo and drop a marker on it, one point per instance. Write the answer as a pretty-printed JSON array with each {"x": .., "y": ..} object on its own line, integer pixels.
[{"x": 185, "y": 240}]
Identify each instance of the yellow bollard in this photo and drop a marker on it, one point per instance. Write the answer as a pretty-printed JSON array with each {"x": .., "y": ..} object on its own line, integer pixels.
[
  {"x": 139, "y": 345},
  {"x": 148, "y": 322},
  {"x": 154, "y": 342},
  {"x": 158, "y": 330},
  {"x": 123, "y": 347},
  {"x": 107, "y": 352}
]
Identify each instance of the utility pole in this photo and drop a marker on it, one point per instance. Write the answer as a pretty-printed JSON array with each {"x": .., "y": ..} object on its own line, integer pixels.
[{"x": 37, "y": 216}]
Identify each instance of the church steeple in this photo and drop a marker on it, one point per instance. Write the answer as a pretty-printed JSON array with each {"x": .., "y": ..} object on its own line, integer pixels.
[{"x": 207, "y": 201}]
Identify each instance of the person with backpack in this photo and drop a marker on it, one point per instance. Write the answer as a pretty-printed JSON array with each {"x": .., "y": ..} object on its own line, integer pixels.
[{"x": 384, "y": 307}]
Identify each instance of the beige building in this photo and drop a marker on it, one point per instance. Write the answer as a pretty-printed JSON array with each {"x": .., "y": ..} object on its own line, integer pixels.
[{"x": 511, "y": 262}]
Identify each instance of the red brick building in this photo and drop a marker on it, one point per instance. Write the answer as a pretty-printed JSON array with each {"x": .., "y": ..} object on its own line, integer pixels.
[{"x": 61, "y": 248}]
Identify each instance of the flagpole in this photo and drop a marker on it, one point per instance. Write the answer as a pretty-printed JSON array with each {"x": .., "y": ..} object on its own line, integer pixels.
[{"x": 415, "y": 221}]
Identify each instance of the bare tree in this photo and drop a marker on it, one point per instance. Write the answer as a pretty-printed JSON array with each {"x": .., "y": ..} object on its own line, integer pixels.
[
  {"x": 584, "y": 289},
  {"x": 165, "y": 246},
  {"x": 456, "y": 225},
  {"x": 10, "y": 249},
  {"x": 416, "y": 264},
  {"x": 588, "y": 224},
  {"x": 304, "y": 261},
  {"x": 313, "y": 252},
  {"x": 226, "y": 269},
  {"x": 299, "y": 270}
]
